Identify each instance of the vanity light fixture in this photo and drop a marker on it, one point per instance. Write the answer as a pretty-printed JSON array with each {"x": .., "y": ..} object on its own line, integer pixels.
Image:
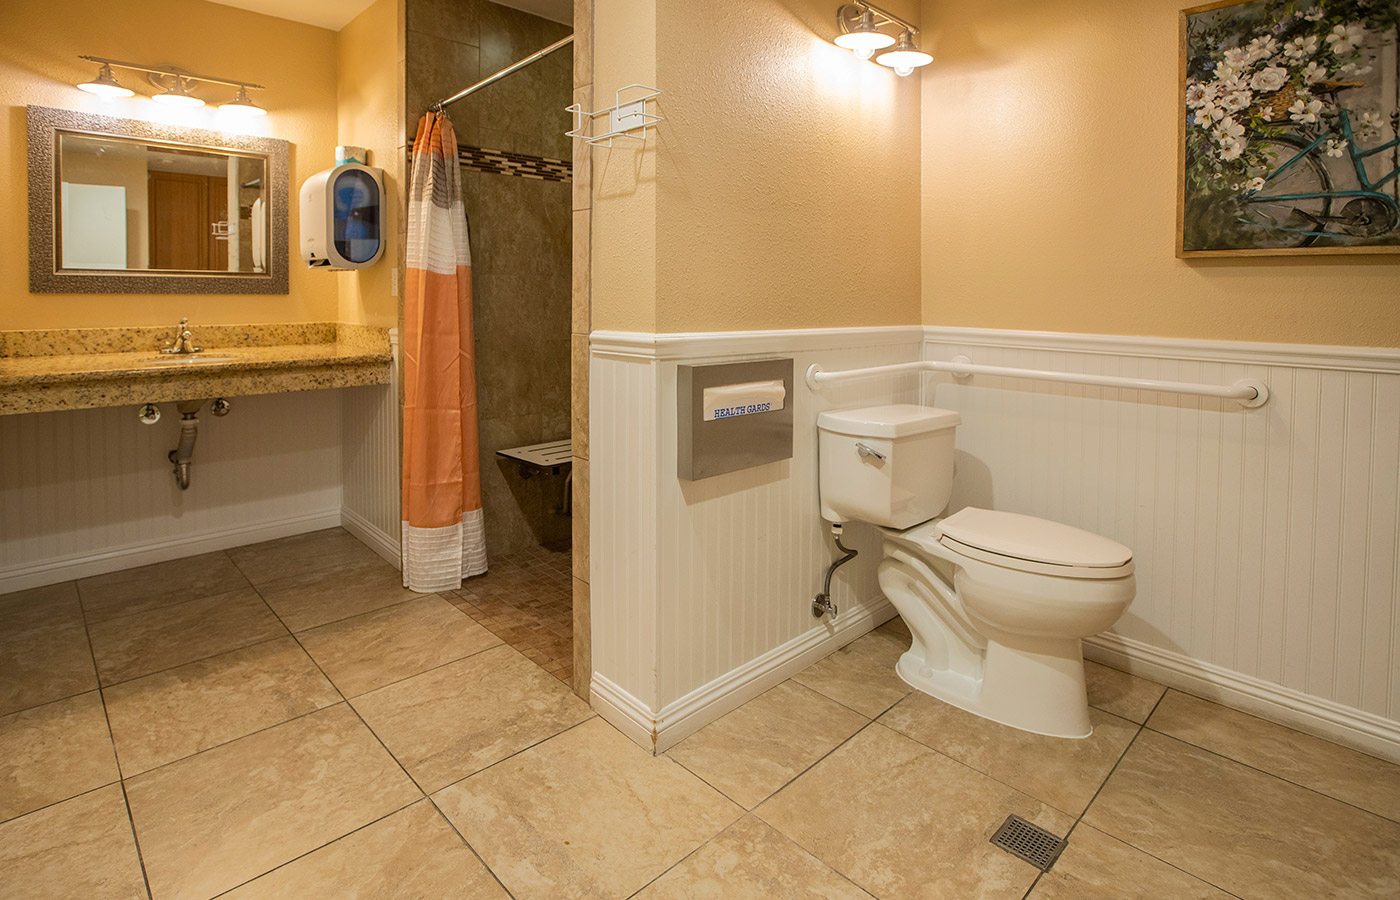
[
  {"x": 178, "y": 95},
  {"x": 105, "y": 84},
  {"x": 175, "y": 85},
  {"x": 241, "y": 105},
  {"x": 905, "y": 56},
  {"x": 864, "y": 37},
  {"x": 860, "y": 25}
]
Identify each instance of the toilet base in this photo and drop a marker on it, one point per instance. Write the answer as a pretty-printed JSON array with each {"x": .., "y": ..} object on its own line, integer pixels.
[{"x": 1037, "y": 686}]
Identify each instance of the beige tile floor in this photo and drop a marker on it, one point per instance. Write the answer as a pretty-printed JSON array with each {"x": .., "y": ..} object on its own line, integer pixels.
[{"x": 285, "y": 721}]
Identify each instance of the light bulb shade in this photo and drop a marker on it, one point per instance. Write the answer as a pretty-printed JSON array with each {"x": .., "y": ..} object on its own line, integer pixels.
[
  {"x": 178, "y": 96},
  {"x": 105, "y": 84},
  {"x": 905, "y": 54},
  {"x": 863, "y": 36},
  {"x": 242, "y": 106}
]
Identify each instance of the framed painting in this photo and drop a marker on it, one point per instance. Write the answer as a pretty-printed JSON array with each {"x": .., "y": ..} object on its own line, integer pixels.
[{"x": 1289, "y": 111}]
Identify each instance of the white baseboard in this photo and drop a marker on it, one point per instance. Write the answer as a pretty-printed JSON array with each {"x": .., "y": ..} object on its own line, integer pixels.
[
  {"x": 1364, "y": 731},
  {"x": 626, "y": 713},
  {"x": 660, "y": 731},
  {"x": 386, "y": 545},
  {"x": 68, "y": 568}
]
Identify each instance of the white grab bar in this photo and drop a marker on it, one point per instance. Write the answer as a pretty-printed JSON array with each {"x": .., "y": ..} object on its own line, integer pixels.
[{"x": 1249, "y": 392}]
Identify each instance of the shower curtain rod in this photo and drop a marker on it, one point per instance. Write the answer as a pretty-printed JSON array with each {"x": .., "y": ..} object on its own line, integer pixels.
[{"x": 563, "y": 42}]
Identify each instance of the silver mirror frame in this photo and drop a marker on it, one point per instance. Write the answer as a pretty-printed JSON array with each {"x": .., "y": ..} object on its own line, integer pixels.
[{"x": 44, "y": 125}]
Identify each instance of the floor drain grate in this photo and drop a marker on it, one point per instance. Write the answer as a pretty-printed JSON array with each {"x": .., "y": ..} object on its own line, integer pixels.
[{"x": 1030, "y": 842}]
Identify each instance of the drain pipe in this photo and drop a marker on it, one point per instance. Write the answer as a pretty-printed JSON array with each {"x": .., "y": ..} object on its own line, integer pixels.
[
  {"x": 183, "y": 454},
  {"x": 822, "y": 604}
]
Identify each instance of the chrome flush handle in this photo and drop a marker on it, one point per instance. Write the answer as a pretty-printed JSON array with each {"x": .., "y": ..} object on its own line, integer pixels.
[{"x": 866, "y": 451}]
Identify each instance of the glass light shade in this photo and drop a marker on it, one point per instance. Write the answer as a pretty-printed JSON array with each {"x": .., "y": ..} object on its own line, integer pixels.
[
  {"x": 864, "y": 38},
  {"x": 905, "y": 55},
  {"x": 105, "y": 85},
  {"x": 242, "y": 106},
  {"x": 178, "y": 96}
]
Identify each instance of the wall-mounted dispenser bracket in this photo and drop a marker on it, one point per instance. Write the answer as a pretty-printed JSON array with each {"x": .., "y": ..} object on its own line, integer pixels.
[{"x": 627, "y": 118}]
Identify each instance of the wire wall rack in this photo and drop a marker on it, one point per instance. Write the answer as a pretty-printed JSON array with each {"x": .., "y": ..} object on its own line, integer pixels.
[{"x": 626, "y": 118}]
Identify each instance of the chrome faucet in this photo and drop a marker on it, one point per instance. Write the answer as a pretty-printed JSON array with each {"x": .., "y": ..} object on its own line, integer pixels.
[{"x": 183, "y": 342}]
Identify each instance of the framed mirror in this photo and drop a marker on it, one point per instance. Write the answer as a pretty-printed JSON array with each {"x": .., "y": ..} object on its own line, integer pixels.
[{"x": 121, "y": 206}]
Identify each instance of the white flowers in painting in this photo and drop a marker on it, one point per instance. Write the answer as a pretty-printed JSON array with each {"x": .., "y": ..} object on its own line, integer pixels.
[
  {"x": 1198, "y": 95},
  {"x": 1268, "y": 79},
  {"x": 1300, "y": 48},
  {"x": 1305, "y": 110},
  {"x": 1262, "y": 48},
  {"x": 1346, "y": 38},
  {"x": 1238, "y": 58},
  {"x": 1257, "y": 86},
  {"x": 1229, "y": 135},
  {"x": 1236, "y": 101},
  {"x": 1313, "y": 73}
]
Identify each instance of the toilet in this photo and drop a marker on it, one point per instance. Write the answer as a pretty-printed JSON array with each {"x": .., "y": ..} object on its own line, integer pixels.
[{"x": 996, "y": 602}]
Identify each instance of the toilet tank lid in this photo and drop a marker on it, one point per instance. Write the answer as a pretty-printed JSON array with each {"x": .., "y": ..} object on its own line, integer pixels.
[
  {"x": 895, "y": 421},
  {"x": 1039, "y": 540}
]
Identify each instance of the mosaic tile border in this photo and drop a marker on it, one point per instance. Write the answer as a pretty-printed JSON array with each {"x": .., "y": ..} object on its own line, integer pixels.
[{"x": 501, "y": 162}]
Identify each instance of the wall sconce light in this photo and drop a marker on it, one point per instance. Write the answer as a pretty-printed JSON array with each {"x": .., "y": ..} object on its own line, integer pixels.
[
  {"x": 105, "y": 84},
  {"x": 178, "y": 95},
  {"x": 175, "y": 85},
  {"x": 860, "y": 25}
]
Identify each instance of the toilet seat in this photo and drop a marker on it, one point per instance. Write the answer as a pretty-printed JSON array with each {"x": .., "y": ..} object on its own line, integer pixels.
[{"x": 1024, "y": 544}]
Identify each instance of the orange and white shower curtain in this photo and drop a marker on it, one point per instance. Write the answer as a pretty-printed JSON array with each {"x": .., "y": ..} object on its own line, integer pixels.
[{"x": 444, "y": 539}]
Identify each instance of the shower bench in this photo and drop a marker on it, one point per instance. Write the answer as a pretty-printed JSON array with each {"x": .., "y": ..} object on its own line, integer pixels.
[{"x": 548, "y": 458}]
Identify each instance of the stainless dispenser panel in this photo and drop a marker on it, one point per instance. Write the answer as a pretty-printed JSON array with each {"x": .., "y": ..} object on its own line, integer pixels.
[{"x": 742, "y": 440}]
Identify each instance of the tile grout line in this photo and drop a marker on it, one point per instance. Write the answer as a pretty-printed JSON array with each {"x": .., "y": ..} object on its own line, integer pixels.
[
  {"x": 416, "y": 596},
  {"x": 126, "y": 681},
  {"x": 1267, "y": 773},
  {"x": 346, "y": 700},
  {"x": 667, "y": 753},
  {"x": 592, "y": 715},
  {"x": 1141, "y": 728},
  {"x": 468, "y": 844},
  {"x": 282, "y": 865},
  {"x": 116, "y": 756},
  {"x": 26, "y": 709},
  {"x": 754, "y": 812},
  {"x": 164, "y": 607}
]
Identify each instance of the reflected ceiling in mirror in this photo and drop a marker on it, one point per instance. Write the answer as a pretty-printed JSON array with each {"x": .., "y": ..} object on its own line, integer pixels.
[{"x": 124, "y": 206}]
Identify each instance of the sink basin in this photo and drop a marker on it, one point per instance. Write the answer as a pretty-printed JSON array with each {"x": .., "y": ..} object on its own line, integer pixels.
[{"x": 190, "y": 359}]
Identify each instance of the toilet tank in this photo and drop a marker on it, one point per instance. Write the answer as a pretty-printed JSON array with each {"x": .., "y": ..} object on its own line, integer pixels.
[{"x": 886, "y": 465}]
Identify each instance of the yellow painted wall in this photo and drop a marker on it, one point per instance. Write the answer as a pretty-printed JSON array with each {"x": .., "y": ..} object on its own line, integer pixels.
[
  {"x": 624, "y": 263},
  {"x": 369, "y": 54},
  {"x": 1049, "y": 190},
  {"x": 780, "y": 191},
  {"x": 39, "y": 46}
]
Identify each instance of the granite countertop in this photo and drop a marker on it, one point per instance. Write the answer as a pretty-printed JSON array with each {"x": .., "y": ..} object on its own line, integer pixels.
[{"x": 42, "y": 371}]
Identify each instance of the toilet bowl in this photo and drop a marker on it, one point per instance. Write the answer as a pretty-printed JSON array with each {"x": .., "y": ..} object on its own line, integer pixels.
[{"x": 996, "y": 602}]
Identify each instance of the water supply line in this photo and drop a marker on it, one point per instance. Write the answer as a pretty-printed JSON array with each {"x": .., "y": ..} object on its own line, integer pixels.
[{"x": 822, "y": 604}]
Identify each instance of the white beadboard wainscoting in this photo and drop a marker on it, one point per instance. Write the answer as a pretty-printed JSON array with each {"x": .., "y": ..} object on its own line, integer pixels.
[
  {"x": 89, "y": 491},
  {"x": 370, "y": 452},
  {"x": 1265, "y": 539},
  {"x": 701, "y": 591}
]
